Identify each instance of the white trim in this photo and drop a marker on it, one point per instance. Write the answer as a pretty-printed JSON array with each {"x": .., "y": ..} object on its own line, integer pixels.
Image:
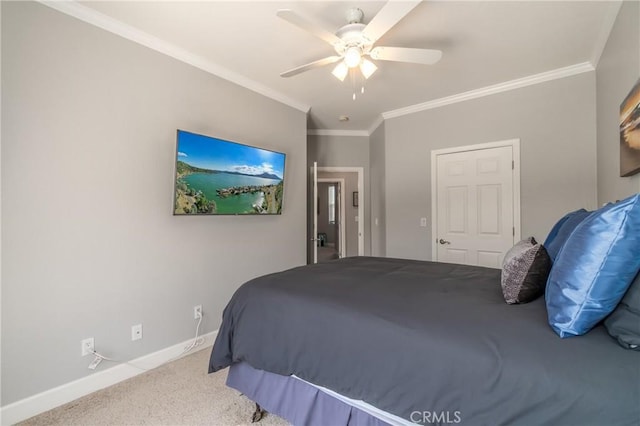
[
  {"x": 39, "y": 403},
  {"x": 129, "y": 32},
  {"x": 492, "y": 90},
  {"x": 332, "y": 132},
  {"x": 476, "y": 147},
  {"x": 343, "y": 212},
  {"x": 1, "y": 222},
  {"x": 488, "y": 90},
  {"x": 605, "y": 31},
  {"x": 515, "y": 146},
  {"x": 335, "y": 132},
  {"x": 517, "y": 224},
  {"x": 361, "y": 198},
  {"x": 379, "y": 120},
  {"x": 314, "y": 236},
  {"x": 434, "y": 205}
]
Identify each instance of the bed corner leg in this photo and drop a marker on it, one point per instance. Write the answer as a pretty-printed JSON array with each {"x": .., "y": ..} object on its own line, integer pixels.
[{"x": 258, "y": 414}]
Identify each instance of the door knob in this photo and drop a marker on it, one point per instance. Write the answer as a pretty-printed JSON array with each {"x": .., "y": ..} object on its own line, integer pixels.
[{"x": 444, "y": 241}]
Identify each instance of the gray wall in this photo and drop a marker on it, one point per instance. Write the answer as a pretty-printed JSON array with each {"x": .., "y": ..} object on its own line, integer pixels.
[
  {"x": 617, "y": 72},
  {"x": 555, "y": 122},
  {"x": 344, "y": 151},
  {"x": 89, "y": 244},
  {"x": 377, "y": 179}
]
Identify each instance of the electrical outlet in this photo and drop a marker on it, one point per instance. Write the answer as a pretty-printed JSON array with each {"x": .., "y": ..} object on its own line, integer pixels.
[
  {"x": 423, "y": 222},
  {"x": 197, "y": 312},
  {"x": 87, "y": 346},
  {"x": 136, "y": 332}
]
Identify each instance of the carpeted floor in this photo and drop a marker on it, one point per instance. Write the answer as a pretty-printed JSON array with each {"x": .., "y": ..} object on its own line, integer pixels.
[
  {"x": 327, "y": 254},
  {"x": 178, "y": 393}
]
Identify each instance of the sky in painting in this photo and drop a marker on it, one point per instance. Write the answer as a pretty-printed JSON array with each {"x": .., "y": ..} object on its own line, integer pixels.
[{"x": 217, "y": 154}]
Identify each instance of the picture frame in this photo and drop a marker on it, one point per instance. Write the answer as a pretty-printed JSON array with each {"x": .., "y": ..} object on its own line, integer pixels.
[
  {"x": 355, "y": 199},
  {"x": 630, "y": 132}
]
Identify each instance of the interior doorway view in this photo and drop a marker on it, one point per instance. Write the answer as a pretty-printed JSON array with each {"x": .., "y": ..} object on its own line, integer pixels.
[
  {"x": 336, "y": 213},
  {"x": 330, "y": 213}
]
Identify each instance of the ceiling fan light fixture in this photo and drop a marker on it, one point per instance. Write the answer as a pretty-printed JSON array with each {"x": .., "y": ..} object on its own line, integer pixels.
[
  {"x": 367, "y": 68},
  {"x": 354, "y": 43},
  {"x": 353, "y": 57},
  {"x": 340, "y": 71}
]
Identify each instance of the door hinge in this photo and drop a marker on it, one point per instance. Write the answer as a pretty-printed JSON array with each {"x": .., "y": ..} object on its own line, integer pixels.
[
  {"x": 513, "y": 231},
  {"x": 513, "y": 164}
]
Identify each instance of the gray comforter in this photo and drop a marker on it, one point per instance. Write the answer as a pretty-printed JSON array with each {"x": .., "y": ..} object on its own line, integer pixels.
[{"x": 427, "y": 341}]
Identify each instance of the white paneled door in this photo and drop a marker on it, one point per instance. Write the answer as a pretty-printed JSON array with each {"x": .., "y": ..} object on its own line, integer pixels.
[{"x": 475, "y": 214}]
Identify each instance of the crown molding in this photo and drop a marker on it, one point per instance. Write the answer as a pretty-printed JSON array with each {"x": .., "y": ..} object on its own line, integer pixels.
[
  {"x": 331, "y": 132},
  {"x": 129, "y": 32},
  {"x": 379, "y": 120},
  {"x": 100, "y": 20},
  {"x": 494, "y": 89},
  {"x": 605, "y": 31}
]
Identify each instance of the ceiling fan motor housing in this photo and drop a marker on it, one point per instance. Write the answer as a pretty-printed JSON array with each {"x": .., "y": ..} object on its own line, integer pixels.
[{"x": 351, "y": 35}]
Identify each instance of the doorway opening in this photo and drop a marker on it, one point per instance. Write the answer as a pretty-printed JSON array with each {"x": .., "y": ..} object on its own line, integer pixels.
[
  {"x": 331, "y": 239},
  {"x": 349, "y": 215}
]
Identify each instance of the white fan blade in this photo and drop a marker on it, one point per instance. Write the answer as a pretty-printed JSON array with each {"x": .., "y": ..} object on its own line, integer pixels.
[
  {"x": 406, "y": 54},
  {"x": 390, "y": 14},
  {"x": 300, "y": 22},
  {"x": 311, "y": 65}
]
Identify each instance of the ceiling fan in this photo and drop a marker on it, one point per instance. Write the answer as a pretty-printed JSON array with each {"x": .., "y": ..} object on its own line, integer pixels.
[{"x": 355, "y": 41}]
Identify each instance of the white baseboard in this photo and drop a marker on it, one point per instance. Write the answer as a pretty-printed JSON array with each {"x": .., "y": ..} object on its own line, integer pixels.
[{"x": 39, "y": 403}]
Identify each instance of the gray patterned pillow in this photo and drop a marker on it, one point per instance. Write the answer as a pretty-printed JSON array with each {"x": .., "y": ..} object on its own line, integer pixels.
[
  {"x": 525, "y": 270},
  {"x": 624, "y": 322}
]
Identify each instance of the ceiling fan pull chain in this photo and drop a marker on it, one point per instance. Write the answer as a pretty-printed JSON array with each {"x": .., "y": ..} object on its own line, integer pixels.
[{"x": 353, "y": 81}]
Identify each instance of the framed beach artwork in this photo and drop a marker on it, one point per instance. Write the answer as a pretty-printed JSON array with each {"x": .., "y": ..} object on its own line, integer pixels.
[{"x": 630, "y": 132}]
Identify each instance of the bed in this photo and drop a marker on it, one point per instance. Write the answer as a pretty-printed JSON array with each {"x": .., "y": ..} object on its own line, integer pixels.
[{"x": 402, "y": 341}]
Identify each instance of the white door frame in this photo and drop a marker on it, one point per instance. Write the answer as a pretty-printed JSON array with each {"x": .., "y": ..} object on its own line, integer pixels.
[
  {"x": 515, "y": 145},
  {"x": 314, "y": 216},
  {"x": 361, "y": 199},
  {"x": 339, "y": 181}
]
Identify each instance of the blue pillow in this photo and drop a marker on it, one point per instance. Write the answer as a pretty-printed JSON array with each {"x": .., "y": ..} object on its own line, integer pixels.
[
  {"x": 561, "y": 231},
  {"x": 594, "y": 268}
]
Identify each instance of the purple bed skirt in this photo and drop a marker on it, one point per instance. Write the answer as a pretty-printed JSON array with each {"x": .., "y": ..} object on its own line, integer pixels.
[{"x": 296, "y": 401}]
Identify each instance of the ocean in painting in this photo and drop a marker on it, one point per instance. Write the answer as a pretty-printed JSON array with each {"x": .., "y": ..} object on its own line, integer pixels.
[{"x": 209, "y": 183}]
